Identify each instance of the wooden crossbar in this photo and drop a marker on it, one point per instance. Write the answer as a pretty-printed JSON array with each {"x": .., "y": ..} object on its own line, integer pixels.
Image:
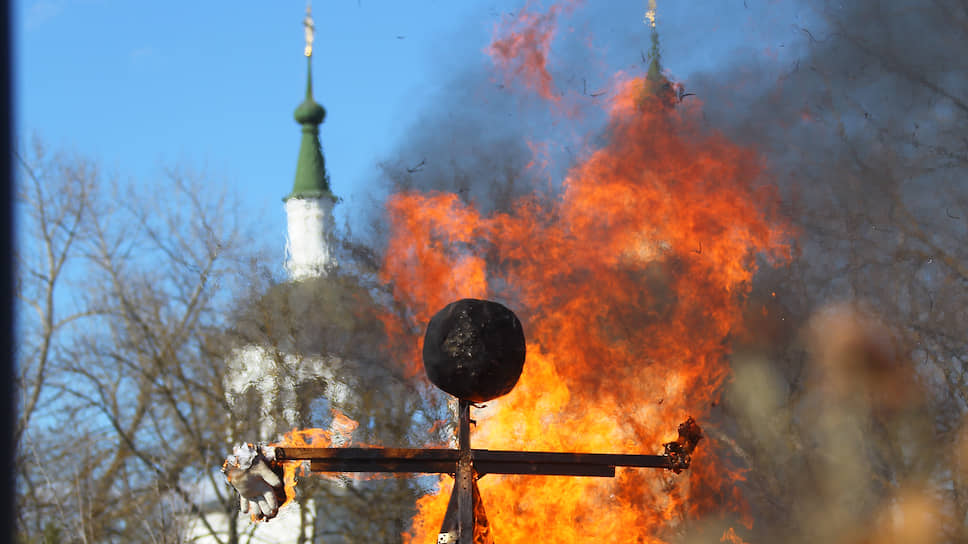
[{"x": 439, "y": 460}]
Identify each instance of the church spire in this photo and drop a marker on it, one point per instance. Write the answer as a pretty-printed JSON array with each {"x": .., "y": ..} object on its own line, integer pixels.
[
  {"x": 656, "y": 86},
  {"x": 309, "y": 207},
  {"x": 655, "y": 66},
  {"x": 311, "y": 181}
]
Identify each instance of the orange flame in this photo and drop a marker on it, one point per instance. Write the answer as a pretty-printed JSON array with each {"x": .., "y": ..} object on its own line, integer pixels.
[
  {"x": 730, "y": 537},
  {"x": 520, "y": 48},
  {"x": 628, "y": 285},
  {"x": 339, "y": 434}
]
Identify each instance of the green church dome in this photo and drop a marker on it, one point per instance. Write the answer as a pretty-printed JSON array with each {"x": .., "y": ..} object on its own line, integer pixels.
[
  {"x": 312, "y": 180},
  {"x": 309, "y": 112}
]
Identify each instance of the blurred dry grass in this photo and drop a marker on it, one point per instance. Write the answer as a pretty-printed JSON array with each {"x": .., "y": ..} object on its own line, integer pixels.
[{"x": 847, "y": 452}]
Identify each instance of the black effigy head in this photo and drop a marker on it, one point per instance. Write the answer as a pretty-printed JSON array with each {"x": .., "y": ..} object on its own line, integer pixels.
[{"x": 474, "y": 349}]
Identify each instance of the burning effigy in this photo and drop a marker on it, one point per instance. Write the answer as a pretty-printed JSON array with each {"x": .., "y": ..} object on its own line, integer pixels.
[
  {"x": 474, "y": 350},
  {"x": 630, "y": 278}
]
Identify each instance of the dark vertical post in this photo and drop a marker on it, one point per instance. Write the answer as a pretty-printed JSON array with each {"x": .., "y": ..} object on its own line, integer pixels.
[
  {"x": 465, "y": 476},
  {"x": 8, "y": 409}
]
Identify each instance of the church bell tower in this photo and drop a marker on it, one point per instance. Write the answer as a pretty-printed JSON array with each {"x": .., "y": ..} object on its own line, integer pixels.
[{"x": 309, "y": 207}]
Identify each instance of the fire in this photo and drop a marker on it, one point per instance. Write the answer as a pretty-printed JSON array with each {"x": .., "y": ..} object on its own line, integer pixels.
[
  {"x": 731, "y": 537},
  {"x": 339, "y": 434},
  {"x": 521, "y": 48},
  {"x": 628, "y": 284}
]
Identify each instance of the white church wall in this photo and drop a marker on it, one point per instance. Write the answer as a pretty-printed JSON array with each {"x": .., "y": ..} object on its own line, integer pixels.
[
  {"x": 276, "y": 377},
  {"x": 310, "y": 224},
  {"x": 283, "y": 529}
]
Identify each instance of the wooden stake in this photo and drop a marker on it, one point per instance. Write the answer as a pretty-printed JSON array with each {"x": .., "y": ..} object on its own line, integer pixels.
[{"x": 465, "y": 476}]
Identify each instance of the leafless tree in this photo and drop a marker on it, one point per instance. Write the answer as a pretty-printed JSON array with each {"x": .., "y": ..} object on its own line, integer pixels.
[
  {"x": 125, "y": 292},
  {"x": 135, "y": 300}
]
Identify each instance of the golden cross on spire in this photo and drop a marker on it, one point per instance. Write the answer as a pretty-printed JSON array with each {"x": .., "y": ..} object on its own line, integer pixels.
[
  {"x": 310, "y": 28},
  {"x": 650, "y": 14}
]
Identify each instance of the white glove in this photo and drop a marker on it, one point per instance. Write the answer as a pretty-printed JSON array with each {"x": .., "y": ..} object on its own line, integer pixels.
[{"x": 259, "y": 487}]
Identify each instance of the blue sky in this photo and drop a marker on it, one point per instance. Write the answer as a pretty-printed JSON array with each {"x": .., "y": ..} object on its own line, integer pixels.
[{"x": 212, "y": 85}]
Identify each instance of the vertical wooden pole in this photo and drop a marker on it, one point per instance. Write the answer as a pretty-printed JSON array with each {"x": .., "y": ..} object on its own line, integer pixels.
[{"x": 465, "y": 476}]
